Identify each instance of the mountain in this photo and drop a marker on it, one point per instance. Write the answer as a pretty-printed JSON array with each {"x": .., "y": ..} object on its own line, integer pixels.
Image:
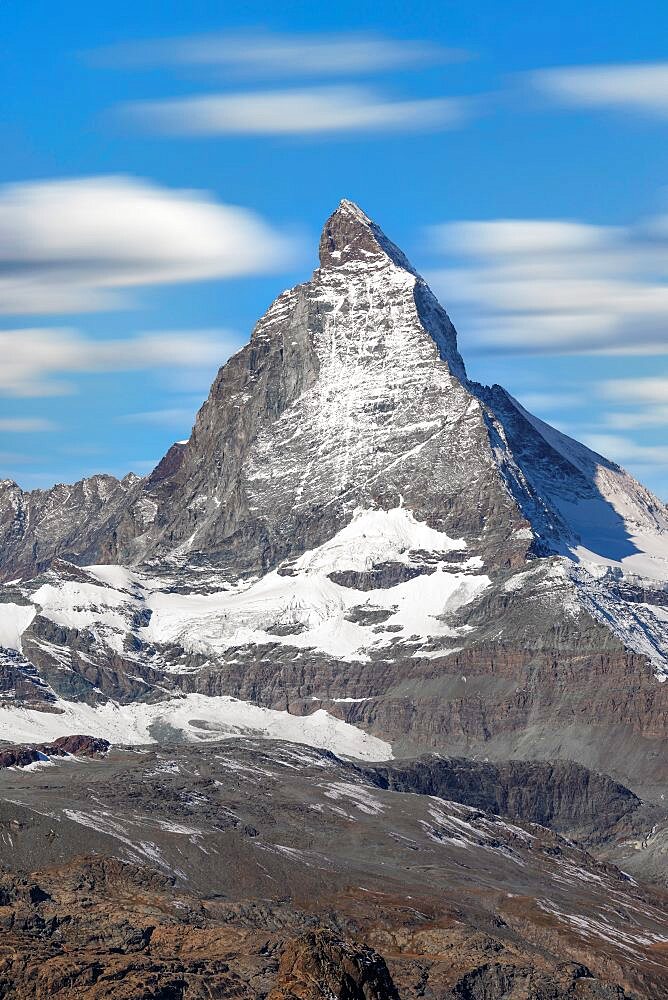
[
  {"x": 373, "y": 671},
  {"x": 356, "y": 534}
]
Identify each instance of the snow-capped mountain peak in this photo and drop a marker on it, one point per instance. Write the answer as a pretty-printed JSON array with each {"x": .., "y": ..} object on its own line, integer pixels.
[
  {"x": 353, "y": 525},
  {"x": 350, "y": 237}
]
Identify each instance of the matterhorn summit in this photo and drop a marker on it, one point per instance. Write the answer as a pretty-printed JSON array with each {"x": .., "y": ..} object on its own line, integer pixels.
[{"x": 357, "y": 547}]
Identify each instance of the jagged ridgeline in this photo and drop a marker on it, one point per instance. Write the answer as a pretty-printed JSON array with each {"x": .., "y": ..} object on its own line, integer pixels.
[{"x": 359, "y": 534}]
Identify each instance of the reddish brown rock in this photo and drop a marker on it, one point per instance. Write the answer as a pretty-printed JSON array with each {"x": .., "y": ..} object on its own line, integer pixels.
[
  {"x": 19, "y": 755},
  {"x": 322, "y": 964}
]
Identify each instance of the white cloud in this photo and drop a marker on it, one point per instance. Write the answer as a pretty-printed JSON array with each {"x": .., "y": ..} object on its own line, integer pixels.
[
  {"x": 260, "y": 53},
  {"x": 74, "y": 245},
  {"x": 548, "y": 286},
  {"x": 548, "y": 402},
  {"x": 625, "y": 451},
  {"x": 652, "y": 389},
  {"x": 626, "y": 420},
  {"x": 26, "y": 425},
  {"x": 641, "y": 87},
  {"x": 174, "y": 417},
  {"x": 512, "y": 237},
  {"x": 32, "y": 357},
  {"x": 648, "y": 394},
  {"x": 306, "y": 111}
]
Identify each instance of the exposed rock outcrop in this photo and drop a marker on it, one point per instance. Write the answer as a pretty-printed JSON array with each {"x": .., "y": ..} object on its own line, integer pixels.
[
  {"x": 75, "y": 746},
  {"x": 158, "y": 875},
  {"x": 581, "y": 804},
  {"x": 322, "y": 964}
]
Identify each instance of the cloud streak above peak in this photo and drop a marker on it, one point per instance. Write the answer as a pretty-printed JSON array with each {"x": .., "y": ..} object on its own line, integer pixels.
[
  {"x": 631, "y": 87},
  {"x": 296, "y": 112},
  {"x": 77, "y": 245}
]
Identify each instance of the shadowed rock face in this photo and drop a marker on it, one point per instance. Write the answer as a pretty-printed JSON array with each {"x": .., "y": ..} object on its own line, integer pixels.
[
  {"x": 21, "y": 682},
  {"x": 71, "y": 522},
  {"x": 578, "y": 803},
  {"x": 497, "y": 982}
]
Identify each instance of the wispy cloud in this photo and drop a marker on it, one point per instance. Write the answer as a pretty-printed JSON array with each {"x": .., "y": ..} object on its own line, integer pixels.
[
  {"x": 32, "y": 357},
  {"x": 647, "y": 395},
  {"x": 76, "y": 245},
  {"x": 320, "y": 108},
  {"x": 26, "y": 425},
  {"x": 631, "y": 420},
  {"x": 549, "y": 402},
  {"x": 15, "y": 458},
  {"x": 652, "y": 389},
  {"x": 305, "y": 111},
  {"x": 626, "y": 451},
  {"x": 536, "y": 286},
  {"x": 264, "y": 54},
  {"x": 639, "y": 87},
  {"x": 171, "y": 417}
]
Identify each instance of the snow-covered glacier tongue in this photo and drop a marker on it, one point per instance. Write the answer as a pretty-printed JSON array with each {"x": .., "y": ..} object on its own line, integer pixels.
[{"x": 355, "y": 534}]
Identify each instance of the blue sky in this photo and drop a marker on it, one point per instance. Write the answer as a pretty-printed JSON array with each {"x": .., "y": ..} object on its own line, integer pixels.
[{"x": 167, "y": 168}]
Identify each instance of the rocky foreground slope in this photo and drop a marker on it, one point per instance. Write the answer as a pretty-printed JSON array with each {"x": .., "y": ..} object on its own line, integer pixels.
[{"x": 266, "y": 869}]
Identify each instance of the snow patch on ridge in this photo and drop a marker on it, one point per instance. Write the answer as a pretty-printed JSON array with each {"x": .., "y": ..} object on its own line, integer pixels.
[
  {"x": 14, "y": 620},
  {"x": 212, "y": 623},
  {"x": 198, "y": 718},
  {"x": 314, "y": 608},
  {"x": 374, "y": 537},
  {"x": 641, "y": 626}
]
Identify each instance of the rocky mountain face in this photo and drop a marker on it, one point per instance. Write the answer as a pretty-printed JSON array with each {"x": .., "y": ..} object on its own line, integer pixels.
[{"x": 37, "y": 527}]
